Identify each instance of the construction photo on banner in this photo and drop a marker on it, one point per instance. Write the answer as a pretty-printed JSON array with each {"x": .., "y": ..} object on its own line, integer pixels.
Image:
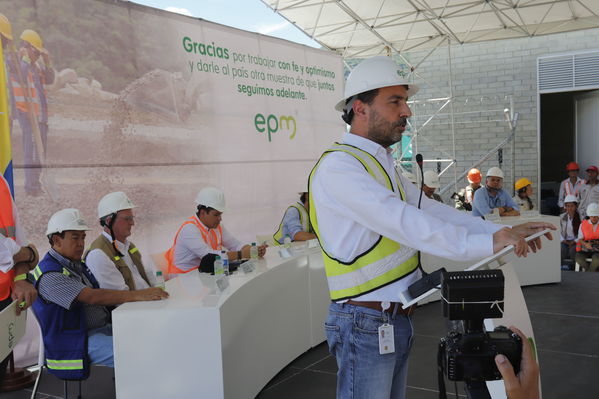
[{"x": 110, "y": 95}]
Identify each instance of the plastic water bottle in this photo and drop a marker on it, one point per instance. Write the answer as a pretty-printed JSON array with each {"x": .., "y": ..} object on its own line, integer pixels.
[
  {"x": 253, "y": 251},
  {"x": 218, "y": 266},
  {"x": 287, "y": 242},
  {"x": 159, "y": 280},
  {"x": 225, "y": 258}
]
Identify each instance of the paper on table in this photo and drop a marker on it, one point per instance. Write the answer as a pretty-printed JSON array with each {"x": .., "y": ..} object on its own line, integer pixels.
[{"x": 12, "y": 328}]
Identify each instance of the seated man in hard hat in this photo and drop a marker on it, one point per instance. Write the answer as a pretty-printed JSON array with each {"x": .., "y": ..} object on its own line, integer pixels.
[
  {"x": 114, "y": 260},
  {"x": 463, "y": 199},
  {"x": 589, "y": 192},
  {"x": 571, "y": 186},
  {"x": 296, "y": 222},
  {"x": 431, "y": 183},
  {"x": 492, "y": 196},
  {"x": 587, "y": 245},
  {"x": 569, "y": 226},
  {"x": 523, "y": 195},
  {"x": 203, "y": 234},
  {"x": 71, "y": 308}
]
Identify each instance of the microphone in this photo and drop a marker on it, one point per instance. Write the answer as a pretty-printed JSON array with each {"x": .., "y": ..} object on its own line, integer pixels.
[{"x": 420, "y": 161}]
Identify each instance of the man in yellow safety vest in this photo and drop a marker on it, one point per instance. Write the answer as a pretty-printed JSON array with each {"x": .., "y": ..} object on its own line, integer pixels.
[
  {"x": 370, "y": 229},
  {"x": 296, "y": 222}
]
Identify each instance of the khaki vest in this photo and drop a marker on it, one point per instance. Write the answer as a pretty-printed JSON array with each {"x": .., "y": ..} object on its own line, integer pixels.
[
  {"x": 304, "y": 221},
  {"x": 105, "y": 246}
]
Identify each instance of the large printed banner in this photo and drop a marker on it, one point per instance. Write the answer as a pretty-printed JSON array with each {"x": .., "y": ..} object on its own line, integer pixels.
[{"x": 160, "y": 105}]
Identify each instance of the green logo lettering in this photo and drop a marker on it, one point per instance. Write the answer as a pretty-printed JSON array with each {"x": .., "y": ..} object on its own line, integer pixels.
[{"x": 273, "y": 124}]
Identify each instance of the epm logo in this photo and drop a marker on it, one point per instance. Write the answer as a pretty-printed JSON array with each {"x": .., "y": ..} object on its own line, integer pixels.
[{"x": 272, "y": 124}]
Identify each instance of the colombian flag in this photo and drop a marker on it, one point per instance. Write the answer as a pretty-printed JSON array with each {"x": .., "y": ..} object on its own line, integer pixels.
[{"x": 5, "y": 149}]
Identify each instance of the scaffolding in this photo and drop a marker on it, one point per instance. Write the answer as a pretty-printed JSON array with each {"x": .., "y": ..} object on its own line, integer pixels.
[{"x": 446, "y": 109}]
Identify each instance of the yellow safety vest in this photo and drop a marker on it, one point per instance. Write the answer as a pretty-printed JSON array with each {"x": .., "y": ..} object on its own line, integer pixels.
[
  {"x": 304, "y": 221},
  {"x": 385, "y": 262}
]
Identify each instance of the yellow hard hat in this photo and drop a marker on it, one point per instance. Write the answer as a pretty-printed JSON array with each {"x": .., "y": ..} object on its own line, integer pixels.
[
  {"x": 522, "y": 183},
  {"x": 32, "y": 37},
  {"x": 5, "y": 27}
]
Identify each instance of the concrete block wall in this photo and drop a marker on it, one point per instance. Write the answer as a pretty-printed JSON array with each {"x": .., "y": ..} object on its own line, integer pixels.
[{"x": 486, "y": 73}]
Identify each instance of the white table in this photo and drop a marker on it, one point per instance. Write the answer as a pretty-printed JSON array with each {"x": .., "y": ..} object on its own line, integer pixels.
[{"x": 201, "y": 343}]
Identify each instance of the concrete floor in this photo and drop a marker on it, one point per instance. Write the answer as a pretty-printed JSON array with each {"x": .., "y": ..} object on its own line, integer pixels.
[{"x": 565, "y": 318}]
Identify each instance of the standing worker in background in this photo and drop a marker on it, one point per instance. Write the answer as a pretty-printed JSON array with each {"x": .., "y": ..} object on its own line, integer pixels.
[
  {"x": 463, "y": 199},
  {"x": 571, "y": 186},
  {"x": 16, "y": 259},
  {"x": 492, "y": 196},
  {"x": 32, "y": 106},
  {"x": 112, "y": 258},
  {"x": 9, "y": 64},
  {"x": 296, "y": 222},
  {"x": 203, "y": 234},
  {"x": 523, "y": 194},
  {"x": 71, "y": 308},
  {"x": 431, "y": 183},
  {"x": 366, "y": 218},
  {"x": 589, "y": 192}
]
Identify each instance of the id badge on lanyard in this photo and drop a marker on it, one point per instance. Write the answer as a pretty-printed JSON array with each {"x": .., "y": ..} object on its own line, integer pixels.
[{"x": 386, "y": 336}]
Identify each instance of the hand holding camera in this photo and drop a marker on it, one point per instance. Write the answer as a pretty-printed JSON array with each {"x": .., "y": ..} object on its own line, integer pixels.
[{"x": 524, "y": 385}]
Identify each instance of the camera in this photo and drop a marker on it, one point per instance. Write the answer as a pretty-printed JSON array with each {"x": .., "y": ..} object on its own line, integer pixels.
[
  {"x": 470, "y": 356},
  {"x": 467, "y": 353}
]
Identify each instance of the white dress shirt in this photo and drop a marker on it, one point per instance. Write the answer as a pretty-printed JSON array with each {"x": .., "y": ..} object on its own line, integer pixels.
[
  {"x": 566, "y": 188},
  {"x": 107, "y": 274},
  {"x": 567, "y": 228},
  {"x": 353, "y": 210},
  {"x": 191, "y": 247},
  {"x": 8, "y": 246},
  {"x": 589, "y": 193}
]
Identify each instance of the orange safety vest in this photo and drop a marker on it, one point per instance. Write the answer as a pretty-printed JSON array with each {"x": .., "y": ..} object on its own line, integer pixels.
[
  {"x": 587, "y": 234},
  {"x": 213, "y": 237},
  {"x": 7, "y": 228},
  {"x": 20, "y": 93}
]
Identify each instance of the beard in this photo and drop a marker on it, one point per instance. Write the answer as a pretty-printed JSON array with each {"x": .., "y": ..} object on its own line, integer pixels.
[{"x": 384, "y": 132}]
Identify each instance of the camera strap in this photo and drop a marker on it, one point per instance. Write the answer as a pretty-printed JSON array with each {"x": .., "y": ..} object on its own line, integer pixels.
[{"x": 440, "y": 375}]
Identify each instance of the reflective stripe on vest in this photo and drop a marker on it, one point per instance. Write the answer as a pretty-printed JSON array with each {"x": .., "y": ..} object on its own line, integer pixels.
[
  {"x": 37, "y": 272},
  {"x": 7, "y": 228},
  {"x": 73, "y": 364},
  {"x": 385, "y": 262},
  {"x": 587, "y": 234},
  {"x": 304, "y": 221},
  {"x": 212, "y": 237},
  {"x": 21, "y": 93}
]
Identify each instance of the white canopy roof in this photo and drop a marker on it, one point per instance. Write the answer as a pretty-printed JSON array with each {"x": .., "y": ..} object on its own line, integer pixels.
[{"x": 364, "y": 28}]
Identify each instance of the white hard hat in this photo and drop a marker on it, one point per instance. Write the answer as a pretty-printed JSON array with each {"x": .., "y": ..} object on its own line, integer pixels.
[
  {"x": 375, "y": 73},
  {"x": 112, "y": 203},
  {"x": 495, "y": 172},
  {"x": 571, "y": 198},
  {"x": 593, "y": 209},
  {"x": 212, "y": 198},
  {"x": 431, "y": 179},
  {"x": 66, "y": 219}
]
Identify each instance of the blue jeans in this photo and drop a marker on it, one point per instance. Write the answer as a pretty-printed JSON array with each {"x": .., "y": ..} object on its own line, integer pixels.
[
  {"x": 352, "y": 336},
  {"x": 99, "y": 346}
]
